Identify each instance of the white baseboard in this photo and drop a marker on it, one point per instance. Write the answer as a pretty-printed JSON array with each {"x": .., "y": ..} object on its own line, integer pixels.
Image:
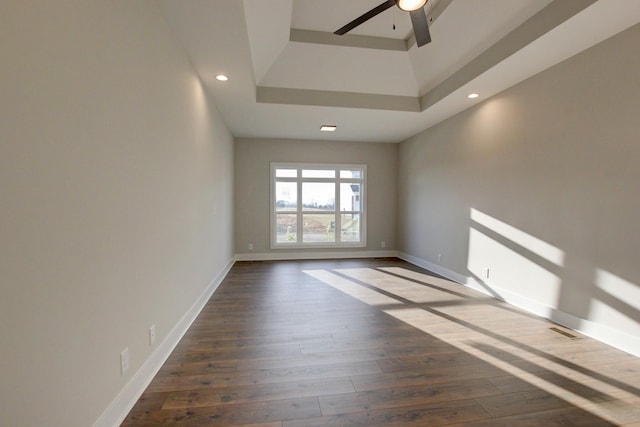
[
  {"x": 281, "y": 256},
  {"x": 435, "y": 268},
  {"x": 117, "y": 411},
  {"x": 606, "y": 334}
]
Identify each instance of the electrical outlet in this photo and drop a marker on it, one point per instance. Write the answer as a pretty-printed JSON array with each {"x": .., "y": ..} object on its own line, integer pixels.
[
  {"x": 383, "y": 244},
  {"x": 250, "y": 246},
  {"x": 124, "y": 361},
  {"x": 152, "y": 334},
  {"x": 439, "y": 257}
]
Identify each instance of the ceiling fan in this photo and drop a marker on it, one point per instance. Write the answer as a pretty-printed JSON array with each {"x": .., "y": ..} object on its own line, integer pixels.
[{"x": 415, "y": 9}]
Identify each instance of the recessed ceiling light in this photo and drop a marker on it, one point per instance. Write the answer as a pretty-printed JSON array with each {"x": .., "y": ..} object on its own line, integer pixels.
[
  {"x": 472, "y": 95},
  {"x": 328, "y": 128},
  {"x": 222, "y": 77}
]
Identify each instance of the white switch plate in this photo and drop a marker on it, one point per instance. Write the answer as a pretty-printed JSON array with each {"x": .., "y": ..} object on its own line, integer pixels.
[
  {"x": 152, "y": 334},
  {"x": 124, "y": 361}
]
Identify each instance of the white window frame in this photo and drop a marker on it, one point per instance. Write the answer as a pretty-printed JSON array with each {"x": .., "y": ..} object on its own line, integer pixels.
[{"x": 299, "y": 244}]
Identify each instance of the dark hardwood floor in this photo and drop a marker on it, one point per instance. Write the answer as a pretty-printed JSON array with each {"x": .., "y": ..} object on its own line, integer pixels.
[{"x": 380, "y": 342}]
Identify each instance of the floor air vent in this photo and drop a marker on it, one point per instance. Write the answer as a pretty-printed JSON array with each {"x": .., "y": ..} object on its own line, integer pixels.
[{"x": 565, "y": 333}]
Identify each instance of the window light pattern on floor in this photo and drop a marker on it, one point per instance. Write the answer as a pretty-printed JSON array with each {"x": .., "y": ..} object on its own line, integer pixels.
[{"x": 498, "y": 334}]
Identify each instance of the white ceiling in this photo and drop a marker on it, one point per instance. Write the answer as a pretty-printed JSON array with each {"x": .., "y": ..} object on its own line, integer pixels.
[{"x": 289, "y": 74}]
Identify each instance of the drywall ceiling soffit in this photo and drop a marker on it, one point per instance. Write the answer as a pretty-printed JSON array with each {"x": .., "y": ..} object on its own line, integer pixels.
[
  {"x": 267, "y": 37},
  {"x": 289, "y": 73}
]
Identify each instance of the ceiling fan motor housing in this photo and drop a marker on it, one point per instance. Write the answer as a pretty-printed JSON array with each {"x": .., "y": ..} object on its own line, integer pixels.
[{"x": 410, "y": 5}]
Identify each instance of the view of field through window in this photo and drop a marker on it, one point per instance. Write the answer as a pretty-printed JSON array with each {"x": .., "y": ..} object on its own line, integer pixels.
[{"x": 318, "y": 205}]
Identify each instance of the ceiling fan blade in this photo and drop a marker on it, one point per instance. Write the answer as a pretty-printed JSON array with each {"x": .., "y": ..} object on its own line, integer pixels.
[
  {"x": 420, "y": 26},
  {"x": 361, "y": 19}
]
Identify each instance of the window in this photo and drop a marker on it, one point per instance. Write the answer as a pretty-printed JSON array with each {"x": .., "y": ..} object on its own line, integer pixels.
[{"x": 317, "y": 205}]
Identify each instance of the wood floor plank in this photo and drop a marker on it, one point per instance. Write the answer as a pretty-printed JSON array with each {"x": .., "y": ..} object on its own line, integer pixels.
[
  {"x": 423, "y": 415},
  {"x": 229, "y": 415},
  {"x": 273, "y": 424},
  {"x": 564, "y": 417},
  {"x": 278, "y": 347},
  {"x": 199, "y": 368},
  {"x": 217, "y": 354},
  {"x": 502, "y": 405},
  {"x": 262, "y": 376},
  {"x": 433, "y": 360},
  {"x": 410, "y": 377},
  {"x": 405, "y": 396},
  {"x": 256, "y": 392},
  {"x": 619, "y": 411},
  {"x": 328, "y": 357}
]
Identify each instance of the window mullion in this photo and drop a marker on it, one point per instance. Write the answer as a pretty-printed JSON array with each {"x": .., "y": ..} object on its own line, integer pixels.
[
  {"x": 337, "y": 206},
  {"x": 299, "y": 209}
]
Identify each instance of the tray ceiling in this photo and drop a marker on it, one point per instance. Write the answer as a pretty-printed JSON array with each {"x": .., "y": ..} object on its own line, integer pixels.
[{"x": 288, "y": 73}]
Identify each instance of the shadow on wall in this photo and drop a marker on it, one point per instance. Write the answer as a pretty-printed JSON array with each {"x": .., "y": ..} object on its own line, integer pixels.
[{"x": 515, "y": 266}]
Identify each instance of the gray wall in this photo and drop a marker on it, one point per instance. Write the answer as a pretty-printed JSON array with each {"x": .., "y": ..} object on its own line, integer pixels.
[
  {"x": 115, "y": 201},
  {"x": 252, "y": 171},
  {"x": 539, "y": 184}
]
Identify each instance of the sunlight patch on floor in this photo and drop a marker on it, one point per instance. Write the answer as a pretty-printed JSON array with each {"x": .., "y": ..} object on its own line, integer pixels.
[
  {"x": 578, "y": 388},
  {"x": 521, "y": 346},
  {"x": 350, "y": 288},
  {"x": 431, "y": 280},
  {"x": 403, "y": 288}
]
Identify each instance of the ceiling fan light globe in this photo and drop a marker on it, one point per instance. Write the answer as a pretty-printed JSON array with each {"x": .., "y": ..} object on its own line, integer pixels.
[{"x": 410, "y": 5}]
